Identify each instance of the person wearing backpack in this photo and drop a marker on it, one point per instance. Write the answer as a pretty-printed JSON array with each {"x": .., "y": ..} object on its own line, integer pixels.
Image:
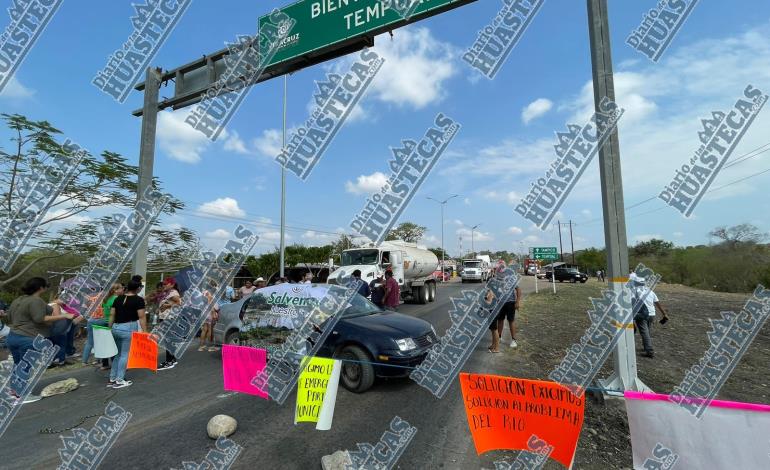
[{"x": 645, "y": 302}]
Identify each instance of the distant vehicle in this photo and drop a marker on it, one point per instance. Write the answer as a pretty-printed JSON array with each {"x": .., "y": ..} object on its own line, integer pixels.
[
  {"x": 531, "y": 267},
  {"x": 443, "y": 277},
  {"x": 412, "y": 265},
  {"x": 474, "y": 270},
  {"x": 567, "y": 274},
  {"x": 368, "y": 337}
]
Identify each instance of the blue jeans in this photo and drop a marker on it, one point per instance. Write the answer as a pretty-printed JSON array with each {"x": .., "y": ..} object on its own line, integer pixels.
[
  {"x": 122, "y": 334},
  {"x": 70, "y": 343},
  {"x": 61, "y": 341},
  {"x": 18, "y": 344},
  {"x": 90, "y": 340}
]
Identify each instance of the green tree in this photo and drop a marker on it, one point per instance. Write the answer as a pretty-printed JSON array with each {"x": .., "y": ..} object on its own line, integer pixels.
[
  {"x": 104, "y": 181},
  {"x": 408, "y": 232},
  {"x": 654, "y": 247}
]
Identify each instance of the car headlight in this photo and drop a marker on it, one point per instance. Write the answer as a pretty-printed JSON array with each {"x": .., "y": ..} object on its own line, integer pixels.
[{"x": 406, "y": 344}]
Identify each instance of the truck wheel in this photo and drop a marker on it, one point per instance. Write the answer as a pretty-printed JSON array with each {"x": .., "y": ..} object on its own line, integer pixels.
[
  {"x": 422, "y": 295},
  {"x": 431, "y": 292},
  {"x": 358, "y": 376},
  {"x": 233, "y": 337}
]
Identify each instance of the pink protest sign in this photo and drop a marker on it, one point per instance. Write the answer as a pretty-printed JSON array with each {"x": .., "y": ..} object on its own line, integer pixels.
[{"x": 239, "y": 366}]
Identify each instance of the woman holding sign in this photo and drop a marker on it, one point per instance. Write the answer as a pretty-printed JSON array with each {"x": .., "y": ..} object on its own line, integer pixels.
[{"x": 127, "y": 316}]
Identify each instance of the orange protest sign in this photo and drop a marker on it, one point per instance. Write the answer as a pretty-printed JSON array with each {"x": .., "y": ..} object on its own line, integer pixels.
[
  {"x": 504, "y": 413},
  {"x": 143, "y": 353}
]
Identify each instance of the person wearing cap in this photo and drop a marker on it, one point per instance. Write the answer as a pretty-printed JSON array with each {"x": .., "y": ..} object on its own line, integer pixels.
[
  {"x": 170, "y": 299},
  {"x": 260, "y": 282},
  {"x": 645, "y": 303}
]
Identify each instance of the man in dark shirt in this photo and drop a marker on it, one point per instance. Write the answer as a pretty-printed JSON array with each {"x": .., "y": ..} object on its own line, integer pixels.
[
  {"x": 378, "y": 291},
  {"x": 363, "y": 288}
]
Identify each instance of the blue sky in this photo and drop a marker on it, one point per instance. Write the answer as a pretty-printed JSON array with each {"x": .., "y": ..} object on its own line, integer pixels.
[{"x": 721, "y": 48}]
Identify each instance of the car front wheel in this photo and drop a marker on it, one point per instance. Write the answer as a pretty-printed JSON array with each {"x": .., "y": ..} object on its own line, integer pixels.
[
  {"x": 233, "y": 337},
  {"x": 357, "y": 373}
]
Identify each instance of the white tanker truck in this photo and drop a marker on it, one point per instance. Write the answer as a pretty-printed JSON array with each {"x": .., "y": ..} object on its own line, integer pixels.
[{"x": 412, "y": 267}]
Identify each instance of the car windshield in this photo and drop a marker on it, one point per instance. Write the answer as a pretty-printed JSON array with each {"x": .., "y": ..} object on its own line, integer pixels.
[
  {"x": 471, "y": 264},
  {"x": 359, "y": 257},
  {"x": 573, "y": 270},
  {"x": 359, "y": 307}
]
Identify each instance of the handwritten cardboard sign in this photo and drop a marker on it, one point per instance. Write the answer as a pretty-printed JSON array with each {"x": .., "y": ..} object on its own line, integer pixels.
[
  {"x": 104, "y": 343},
  {"x": 317, "y": 391},
  {"x": 239, "y": 365},
  {"x": 504, "y": 412},
  {"x": 143, "y": 353}
]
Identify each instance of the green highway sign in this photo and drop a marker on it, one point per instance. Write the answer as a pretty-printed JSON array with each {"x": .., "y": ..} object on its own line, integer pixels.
[
  {"x": 544, "y": 250},
  {"x": 328, "y": 28},
  {"x": 546, "y": 256}
]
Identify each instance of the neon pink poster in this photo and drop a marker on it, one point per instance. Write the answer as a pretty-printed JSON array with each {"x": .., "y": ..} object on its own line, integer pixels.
[{"x": 239, "y": 366}]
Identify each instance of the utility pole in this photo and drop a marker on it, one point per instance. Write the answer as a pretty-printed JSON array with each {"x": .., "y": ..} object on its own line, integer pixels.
[
  {"x": 283, "y": 182},
  {"x": 147, "y": 157},
  {"x": 624, "y": 376},
  {"x": 561, "y": 250},
  {"x": 571, "y": 242}
]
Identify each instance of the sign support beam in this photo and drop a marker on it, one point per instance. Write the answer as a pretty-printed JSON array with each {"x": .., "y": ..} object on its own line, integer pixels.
[{"x": 624, "y": 358}]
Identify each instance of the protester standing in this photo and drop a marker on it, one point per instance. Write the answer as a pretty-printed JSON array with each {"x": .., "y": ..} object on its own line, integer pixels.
[
  {"x": 377, "y": 289},
  {"x": 646, "y": 301},
  {"x": 247, "y": 289},
  {"x": 508, "y": 311},
  {"x": 307, "y": 278},
  {"x": 101, "y": 318},
  {"x": 28, "y": 317},
  {"x": 392, "y": 292},
  {"x": 207, "y": 329},
  {"x": 363, "y": 287},
  {"x": 170, "y": 299},
  {"x": 127, "y": 315}
]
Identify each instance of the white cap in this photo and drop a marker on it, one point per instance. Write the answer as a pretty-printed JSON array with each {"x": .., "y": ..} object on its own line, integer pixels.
[
  {"x": 259, "y": 279},
  {"x": 632, "y": 276}
]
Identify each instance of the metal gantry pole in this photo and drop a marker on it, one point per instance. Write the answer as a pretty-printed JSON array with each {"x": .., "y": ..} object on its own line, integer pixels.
[
  {"x": 283, "y": 181},
  {"x": 147, "y": 157},
  {"x": 561, "y": 250},
  {"x": 624, "y": 376}
]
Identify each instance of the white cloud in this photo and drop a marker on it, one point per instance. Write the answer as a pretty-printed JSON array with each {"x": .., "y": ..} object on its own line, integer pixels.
[
  {"x": 458, "y": 222},
  {"x": 431, "y": 241},
  {"x": 219, "y": 233},
  {"x": 532, "y": 239},
  {"x": 515, "y": 230},
  {"x": 415, "y": 69},
  {"x": 536, "y": 109},
  {"x": 478, "y": 236},
  {"x": 178, "y": 139},
  {"x": 272, "y": 236},
  {"x": 68, "y": 221},
  {"x": 586, "y": 213},
  {"x": 467, "y": 201},
  {"x": 234, "y": 143},
  {"x": 15, "y": 90},
  {"x": 367, "y": 184},
  {"x": 224, "y": 206},
  {"x": 678, "y": 234},
  {"x": 269, "y": 143}
]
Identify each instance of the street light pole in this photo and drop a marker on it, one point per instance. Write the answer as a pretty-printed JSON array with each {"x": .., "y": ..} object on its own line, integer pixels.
[
  {"x": 443, "y": 252},
  {"x": 283, "y": 181},
  {"x": 472, "y": 247}
]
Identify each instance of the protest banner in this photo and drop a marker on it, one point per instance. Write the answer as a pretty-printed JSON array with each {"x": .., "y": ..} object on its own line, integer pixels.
[
  {"x": 143, "y": 353},
  {"x": 504, "y": 412},
  {"x": 104, "y": 343},
  {"x": 238, "y": 366},
  {"x": 317, "y": 392},
  {"x": 728, "y": 435}
]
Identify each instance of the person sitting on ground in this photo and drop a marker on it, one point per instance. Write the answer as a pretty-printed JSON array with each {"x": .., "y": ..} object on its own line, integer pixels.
[
  {"x": 28, "y": 317},
  {"x": 127, "y": 315}
]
